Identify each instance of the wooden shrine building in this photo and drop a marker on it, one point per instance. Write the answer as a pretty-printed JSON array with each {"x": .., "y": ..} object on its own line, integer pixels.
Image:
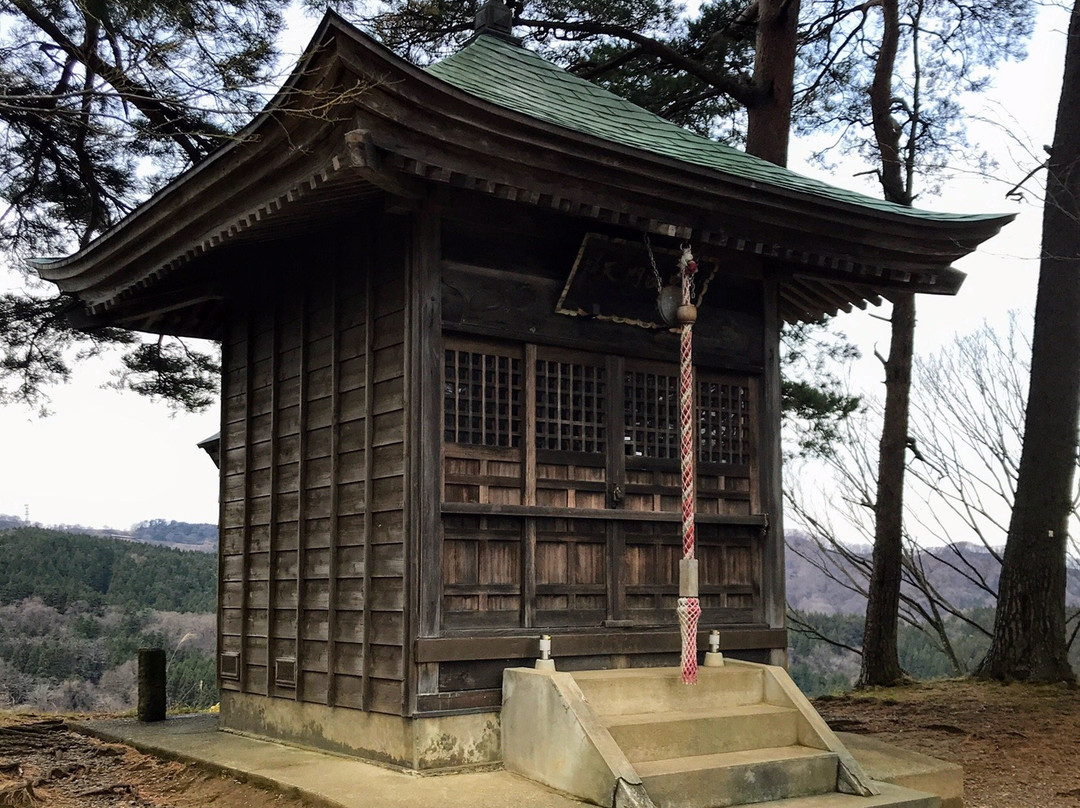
[{"x": 448, "y": 419}]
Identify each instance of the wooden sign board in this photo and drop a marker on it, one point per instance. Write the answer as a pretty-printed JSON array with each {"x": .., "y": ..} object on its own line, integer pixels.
[{"x": 613, "y": 280}]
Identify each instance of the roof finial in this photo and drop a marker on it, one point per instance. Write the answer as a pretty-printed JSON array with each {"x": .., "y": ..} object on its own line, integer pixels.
[{"x": 495, "y": 17}]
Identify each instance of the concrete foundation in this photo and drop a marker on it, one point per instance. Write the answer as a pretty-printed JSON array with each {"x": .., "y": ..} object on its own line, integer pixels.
[
  {"x": 902, "y": 767},
  {"x": 553, "y": 737},
  {"x": 555, "y": 716},
  {"x": 341, "y": 782},
  {"x": 419, "y": 744},
  {"x": 323, "y": 780}
]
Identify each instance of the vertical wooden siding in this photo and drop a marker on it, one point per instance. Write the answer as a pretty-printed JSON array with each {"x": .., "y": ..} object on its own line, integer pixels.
[
  {"x": 312, "y": 493},
  {"x": 385, "y": 604}
]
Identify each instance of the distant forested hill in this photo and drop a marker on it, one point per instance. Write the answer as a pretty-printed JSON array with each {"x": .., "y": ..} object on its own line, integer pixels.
[
  {"x": 62, "y": 568},
  {"x": 172, "y": 532},
  {"x": 75, "y": 609},
  {"x": 7, "y": 520},
  {"x": 829, "y": 609}
]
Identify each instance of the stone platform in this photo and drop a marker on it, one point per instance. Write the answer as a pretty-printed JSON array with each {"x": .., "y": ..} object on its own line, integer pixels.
[{"x": 342, "y": 782}]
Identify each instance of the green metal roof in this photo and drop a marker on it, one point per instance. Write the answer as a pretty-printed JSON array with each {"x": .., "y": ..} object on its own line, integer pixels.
[{"x": 517, "y": 79}]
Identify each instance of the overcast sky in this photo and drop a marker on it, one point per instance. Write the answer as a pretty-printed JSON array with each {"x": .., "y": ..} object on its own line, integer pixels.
[{"x": 105, "y": 458}]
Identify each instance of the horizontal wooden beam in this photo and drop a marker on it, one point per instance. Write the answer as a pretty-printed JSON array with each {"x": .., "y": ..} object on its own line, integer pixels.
[
  {"x": 613, "y": 515},
  {"x": 458, "y": 700},
  {"x": 593, "y": 643}
]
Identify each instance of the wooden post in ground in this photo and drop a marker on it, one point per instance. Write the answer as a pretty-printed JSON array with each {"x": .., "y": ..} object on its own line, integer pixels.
[{"x": 151, "y": 684}]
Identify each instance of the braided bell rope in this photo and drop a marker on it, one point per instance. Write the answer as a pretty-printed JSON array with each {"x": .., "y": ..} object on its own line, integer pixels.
[
  {"x": 686, "y": 430},
  {"x": 689, "y": 609}
]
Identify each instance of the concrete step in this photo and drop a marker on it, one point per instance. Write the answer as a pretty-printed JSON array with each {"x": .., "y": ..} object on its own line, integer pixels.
[
  {"x": 890, "y": 797},
  {"x": 652, "y": 690},
  {"x": 658, "y": 736},
  {"x": 739, "y": 778}
]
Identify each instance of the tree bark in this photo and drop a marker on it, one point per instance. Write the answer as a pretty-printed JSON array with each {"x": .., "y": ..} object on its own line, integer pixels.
[
  {"x": 886, "y": 130},
  {"x": 769, "y": 120},
  {"x": 880, "y": 659},
  {"x": 1029, "y": 626}
]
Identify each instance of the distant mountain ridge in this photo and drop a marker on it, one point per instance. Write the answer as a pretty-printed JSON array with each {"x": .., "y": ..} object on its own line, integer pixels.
[
  {"x": 810, "y": 589},
  {"x": 199, "y": 536}
]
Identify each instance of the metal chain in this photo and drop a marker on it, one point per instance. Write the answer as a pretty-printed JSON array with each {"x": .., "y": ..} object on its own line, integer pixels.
[{"x": 655, "y": 271}]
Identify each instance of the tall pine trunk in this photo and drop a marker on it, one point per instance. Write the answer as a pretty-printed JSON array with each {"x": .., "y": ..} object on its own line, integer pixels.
[
  {"x": 769, "y": 121},
  {"x": 880, "y": 657},
  {"x": 1029, "y": 626}
]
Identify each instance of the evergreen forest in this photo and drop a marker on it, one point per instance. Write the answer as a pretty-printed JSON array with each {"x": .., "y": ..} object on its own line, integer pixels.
[{"x": 75, "y": 609}]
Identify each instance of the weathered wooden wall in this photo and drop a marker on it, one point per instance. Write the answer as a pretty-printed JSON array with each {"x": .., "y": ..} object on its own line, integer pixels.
[
  {"x": 418, "y": 451},
  {"x": 559, "y": 482},
  {"x": 313, "y": 474}
]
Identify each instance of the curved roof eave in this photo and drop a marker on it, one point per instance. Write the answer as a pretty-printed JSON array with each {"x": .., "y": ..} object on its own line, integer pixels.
[
  {"x": 843, "y": 200},
  {"x": 154, "y": 218},
  {"x": 252, "y": 130}
]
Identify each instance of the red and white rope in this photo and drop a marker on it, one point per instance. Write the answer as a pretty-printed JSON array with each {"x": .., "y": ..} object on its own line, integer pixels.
[
  {"x": 689, "y": 609},
  {"x": 686, "y": 435}
]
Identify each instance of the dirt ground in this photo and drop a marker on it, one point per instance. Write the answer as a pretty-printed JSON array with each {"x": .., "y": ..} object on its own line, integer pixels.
[
  {"x": 43, "y": 764},
  {"x": 1019, "y": 746}
]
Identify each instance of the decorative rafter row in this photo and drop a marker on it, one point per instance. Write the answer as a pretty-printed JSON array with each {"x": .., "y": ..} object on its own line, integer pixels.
[
  {"x": 334, "y": 169},
  {"x": 338, "y": 169}
]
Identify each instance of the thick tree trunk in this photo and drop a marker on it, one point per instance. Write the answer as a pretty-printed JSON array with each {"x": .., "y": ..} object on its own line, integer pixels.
[
  {"x": 769, "y": 121},
  {"x": 1029, "y": 627},
  {"x": 880, "y": 660},
  {"x": 886, "y": 131}
]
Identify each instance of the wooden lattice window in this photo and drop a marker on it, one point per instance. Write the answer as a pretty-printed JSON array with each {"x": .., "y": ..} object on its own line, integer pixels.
[
  {"x": 724, "y": 422},
  {"x": 569, "y": 406},
  {"x": 652, "y": 415},
  {"x": 482, "y": 399},
  {"x": 652, "y": 418}
]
